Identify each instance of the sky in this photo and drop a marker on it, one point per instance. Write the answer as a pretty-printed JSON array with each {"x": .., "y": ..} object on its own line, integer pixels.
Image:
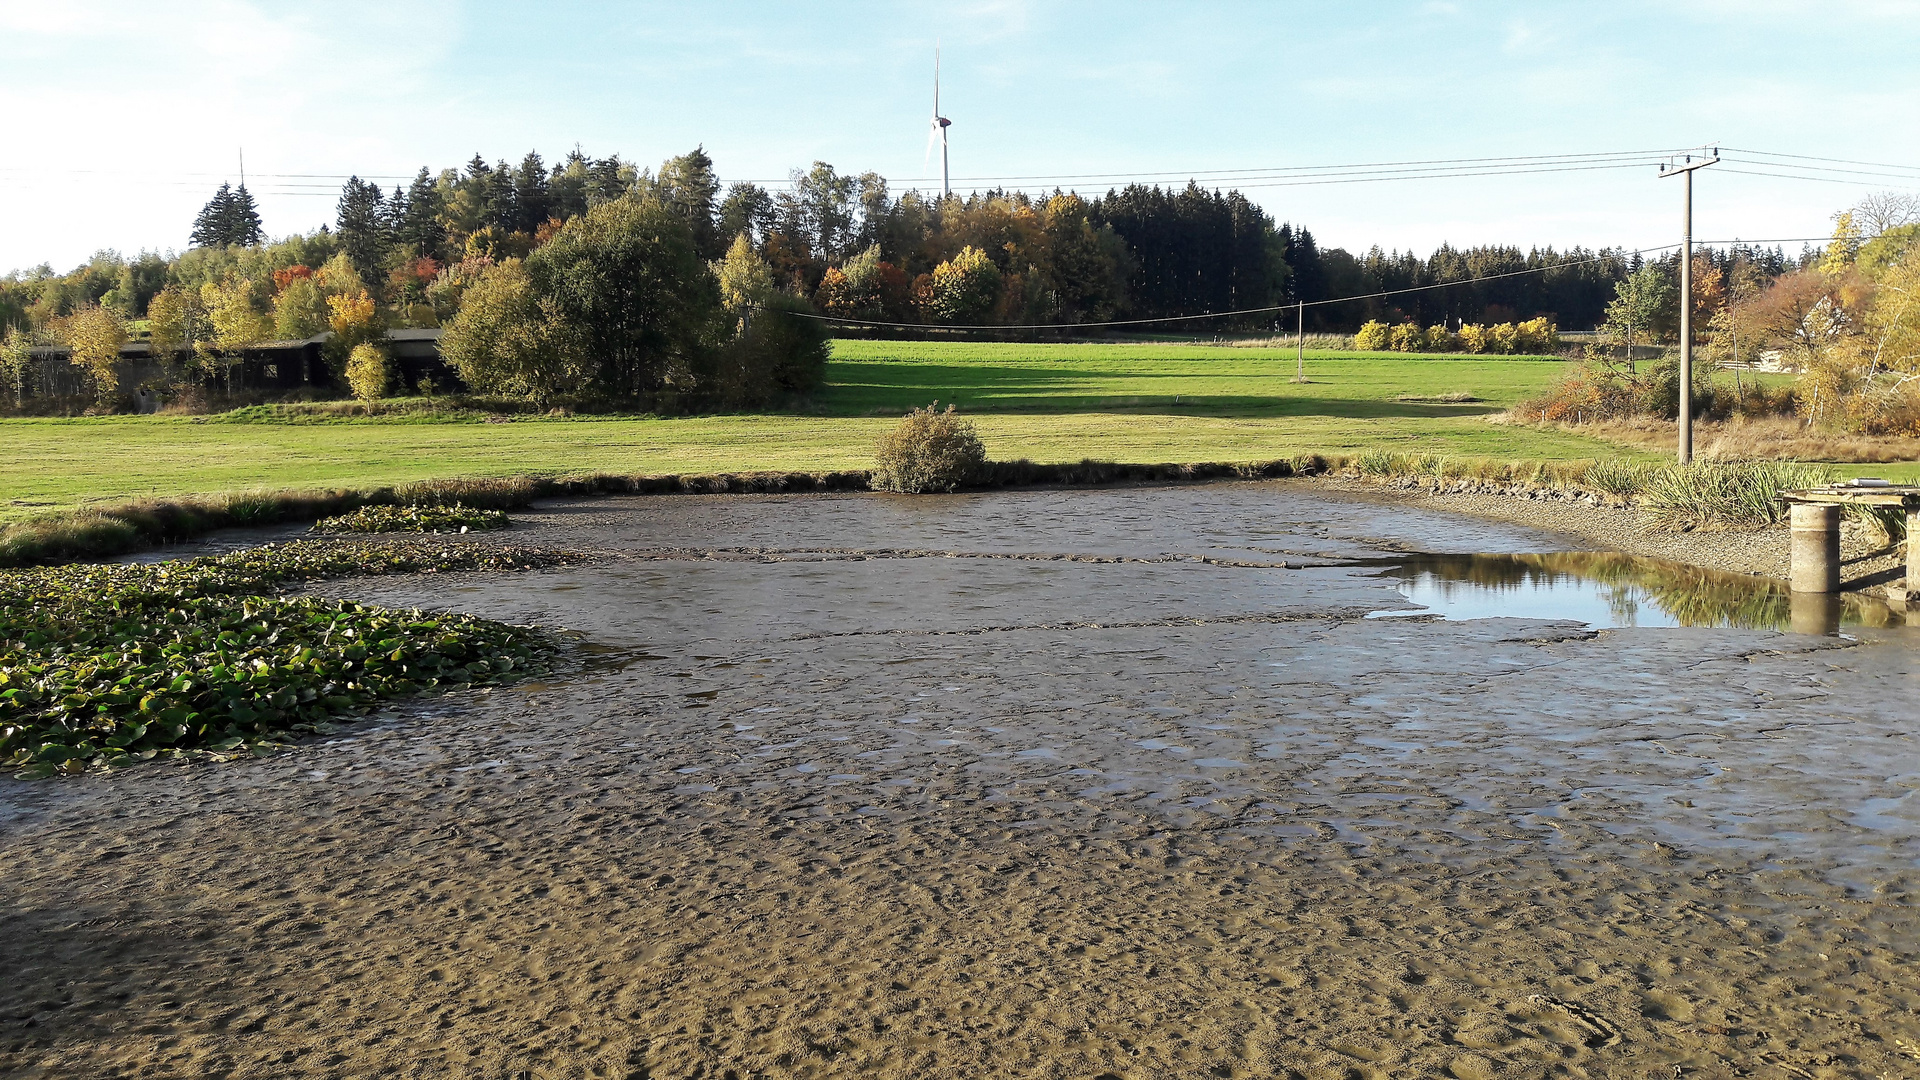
[{"x": 122, "y": 116}]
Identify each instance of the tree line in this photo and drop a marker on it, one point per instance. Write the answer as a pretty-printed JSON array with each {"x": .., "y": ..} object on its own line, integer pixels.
[{"x": 855, "y": 249}]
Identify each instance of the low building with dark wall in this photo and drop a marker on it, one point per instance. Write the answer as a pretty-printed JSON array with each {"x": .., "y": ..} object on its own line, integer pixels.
[
  {"x": 416, "y": 357},
  {"x": 271, "y": 367}
]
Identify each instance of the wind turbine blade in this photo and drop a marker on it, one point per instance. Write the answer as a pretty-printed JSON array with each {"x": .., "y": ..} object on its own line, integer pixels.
[{"x": 933, "y": 132}]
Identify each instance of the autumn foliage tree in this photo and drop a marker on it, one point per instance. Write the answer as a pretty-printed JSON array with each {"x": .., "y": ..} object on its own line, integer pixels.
[
  {"x": 95, "y": 336},
  {"x": 965, "y": 287}
]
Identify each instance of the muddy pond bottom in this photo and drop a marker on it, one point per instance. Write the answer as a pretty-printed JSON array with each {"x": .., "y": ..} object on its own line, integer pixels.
[
  {"x": 1051, "y": 784},
  {"x": 1607, "y": 590}
]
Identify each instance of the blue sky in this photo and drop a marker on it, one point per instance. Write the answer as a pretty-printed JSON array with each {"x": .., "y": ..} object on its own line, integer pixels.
[{"x": 122, "y": 116}]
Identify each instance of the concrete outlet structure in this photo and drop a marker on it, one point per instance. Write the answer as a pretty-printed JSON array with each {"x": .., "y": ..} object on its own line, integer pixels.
[
  {"x": 1816, "y": 547},
  {"x": 1815, "y": 519}
]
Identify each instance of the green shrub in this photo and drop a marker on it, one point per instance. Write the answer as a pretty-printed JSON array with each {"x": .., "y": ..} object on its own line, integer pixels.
[
  {"x": 369, "y": 372},
  {"x": 422, "y": 519},
  {"x": 1407, "y": 337},
  {"x": 778, "y": 351},
  {"x": 113, "y": 664},
  {"x": 929, "y": 450}
]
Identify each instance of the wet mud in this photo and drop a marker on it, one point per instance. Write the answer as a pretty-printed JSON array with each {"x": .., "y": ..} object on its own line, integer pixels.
[{"x": 1065, "y": 784}]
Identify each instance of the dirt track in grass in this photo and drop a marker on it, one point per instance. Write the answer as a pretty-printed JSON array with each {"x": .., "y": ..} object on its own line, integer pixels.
[{"x": 1065, "y": 784}]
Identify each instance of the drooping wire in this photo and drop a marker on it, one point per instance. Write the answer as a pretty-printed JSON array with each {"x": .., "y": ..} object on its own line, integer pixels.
[{"x": 1609, "y": 256}]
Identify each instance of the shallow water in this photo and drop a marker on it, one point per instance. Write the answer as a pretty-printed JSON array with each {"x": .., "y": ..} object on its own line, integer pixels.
[{"x": 1608, "y": 591}]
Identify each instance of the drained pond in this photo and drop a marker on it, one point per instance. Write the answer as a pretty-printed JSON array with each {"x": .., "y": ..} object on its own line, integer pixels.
[{"x": 1044, "y": 783}]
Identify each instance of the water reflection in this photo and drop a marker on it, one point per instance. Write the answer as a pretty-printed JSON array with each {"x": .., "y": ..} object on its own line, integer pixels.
[{"x": 1613, "y": 590}]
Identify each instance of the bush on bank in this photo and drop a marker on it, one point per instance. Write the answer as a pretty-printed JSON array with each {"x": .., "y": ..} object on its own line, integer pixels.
[{"x": 929, "y": 450}]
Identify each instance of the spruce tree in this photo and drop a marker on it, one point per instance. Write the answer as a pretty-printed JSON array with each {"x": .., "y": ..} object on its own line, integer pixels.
[
  {"x": 689, "y": 186},
  {"x": 421, "y": 227},
  {"x": 241, "y": 222},
  {"x": 362, "y": 228},
  {"x": 210, "y": 227},
  {"x": 393, "y": 213},
  {"x": 567, "y": 191},
  {"x": 533, "y": 202},
  {"x": 502, "y": 207}
]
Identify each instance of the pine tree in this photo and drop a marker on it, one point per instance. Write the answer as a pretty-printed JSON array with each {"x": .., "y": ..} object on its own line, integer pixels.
[{"x": 210, "y": 227}]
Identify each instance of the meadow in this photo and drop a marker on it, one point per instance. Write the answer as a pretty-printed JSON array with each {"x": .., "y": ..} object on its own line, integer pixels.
[{"x": 1044, "y": 402}]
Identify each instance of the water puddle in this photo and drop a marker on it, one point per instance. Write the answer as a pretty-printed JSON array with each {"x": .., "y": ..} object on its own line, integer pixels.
[{"x": 1607, "y": 590}]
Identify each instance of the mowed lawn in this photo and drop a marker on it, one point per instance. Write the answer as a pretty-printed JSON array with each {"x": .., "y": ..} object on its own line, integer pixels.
[{"x": 1138, "y": 403}]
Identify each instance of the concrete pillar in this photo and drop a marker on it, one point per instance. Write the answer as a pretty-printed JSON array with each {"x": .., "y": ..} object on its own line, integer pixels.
[
  {"x": 1913, "y": 553},
  {"x": 1813, "y": 613},
  {"x": 1816, "y": 547}
]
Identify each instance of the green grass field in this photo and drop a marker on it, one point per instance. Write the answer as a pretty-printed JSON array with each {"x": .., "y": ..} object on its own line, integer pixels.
[{"x": 1135, "y": 403}]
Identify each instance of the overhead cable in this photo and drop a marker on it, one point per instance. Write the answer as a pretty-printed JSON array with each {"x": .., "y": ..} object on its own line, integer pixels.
[{"x": 1276, "y": 308}]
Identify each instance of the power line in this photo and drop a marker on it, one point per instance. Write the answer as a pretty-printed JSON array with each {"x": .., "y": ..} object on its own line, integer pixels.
[
  {"x": 1275, "y": 308},
  {"x": 303, "y": 184},
  {"x": 1808, "y": 157},
  {"x": 1791, "y": 176},
  {"x": 1229, "y": 314}
]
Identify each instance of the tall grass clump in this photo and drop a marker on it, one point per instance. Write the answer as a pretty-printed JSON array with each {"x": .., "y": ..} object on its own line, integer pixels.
[
  {"x": 1616, "y": 476},
  {"x": 1705, "y": 495},
  {"x": 929, "y": 450}
]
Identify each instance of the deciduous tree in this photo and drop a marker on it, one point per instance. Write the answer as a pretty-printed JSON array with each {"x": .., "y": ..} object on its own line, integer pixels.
[
  {"x": 95, "y": 335},
  {"x": 965, "y": 287}
]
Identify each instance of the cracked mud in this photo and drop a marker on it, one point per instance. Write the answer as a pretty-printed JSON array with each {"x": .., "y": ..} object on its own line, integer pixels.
[{"x": 1062, "y": 784}]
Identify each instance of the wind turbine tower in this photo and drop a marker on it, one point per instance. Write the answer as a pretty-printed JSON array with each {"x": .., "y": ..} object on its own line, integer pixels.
[{"x": 940, "y": 125}]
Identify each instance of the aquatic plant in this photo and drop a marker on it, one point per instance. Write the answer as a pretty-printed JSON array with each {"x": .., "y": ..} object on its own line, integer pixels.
[
  {"x": 109, "y": 665},
  {"x": 426, "y": 519}
]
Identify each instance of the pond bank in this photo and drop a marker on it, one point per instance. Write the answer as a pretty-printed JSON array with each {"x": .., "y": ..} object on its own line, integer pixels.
[{"x": 1869, "y": 565}]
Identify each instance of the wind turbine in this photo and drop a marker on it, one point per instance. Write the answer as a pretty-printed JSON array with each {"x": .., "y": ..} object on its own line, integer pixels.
[{"x": 939, "y": 131}]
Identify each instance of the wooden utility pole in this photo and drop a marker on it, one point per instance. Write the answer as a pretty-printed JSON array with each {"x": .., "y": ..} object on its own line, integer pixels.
[
  {"x": 1300, "y": 344},
  {"x": 1686, "y": 169}
]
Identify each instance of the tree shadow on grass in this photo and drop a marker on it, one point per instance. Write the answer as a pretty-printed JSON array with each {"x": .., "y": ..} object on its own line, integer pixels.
[{"x": 885, "y": 389}]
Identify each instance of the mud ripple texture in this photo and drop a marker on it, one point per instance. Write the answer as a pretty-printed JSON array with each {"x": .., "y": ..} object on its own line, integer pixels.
[{"x": 1038, "y": 784}]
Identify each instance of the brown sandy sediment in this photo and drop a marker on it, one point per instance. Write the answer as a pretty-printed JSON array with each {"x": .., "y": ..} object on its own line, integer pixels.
[{"x": 1096, "y": 807}]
